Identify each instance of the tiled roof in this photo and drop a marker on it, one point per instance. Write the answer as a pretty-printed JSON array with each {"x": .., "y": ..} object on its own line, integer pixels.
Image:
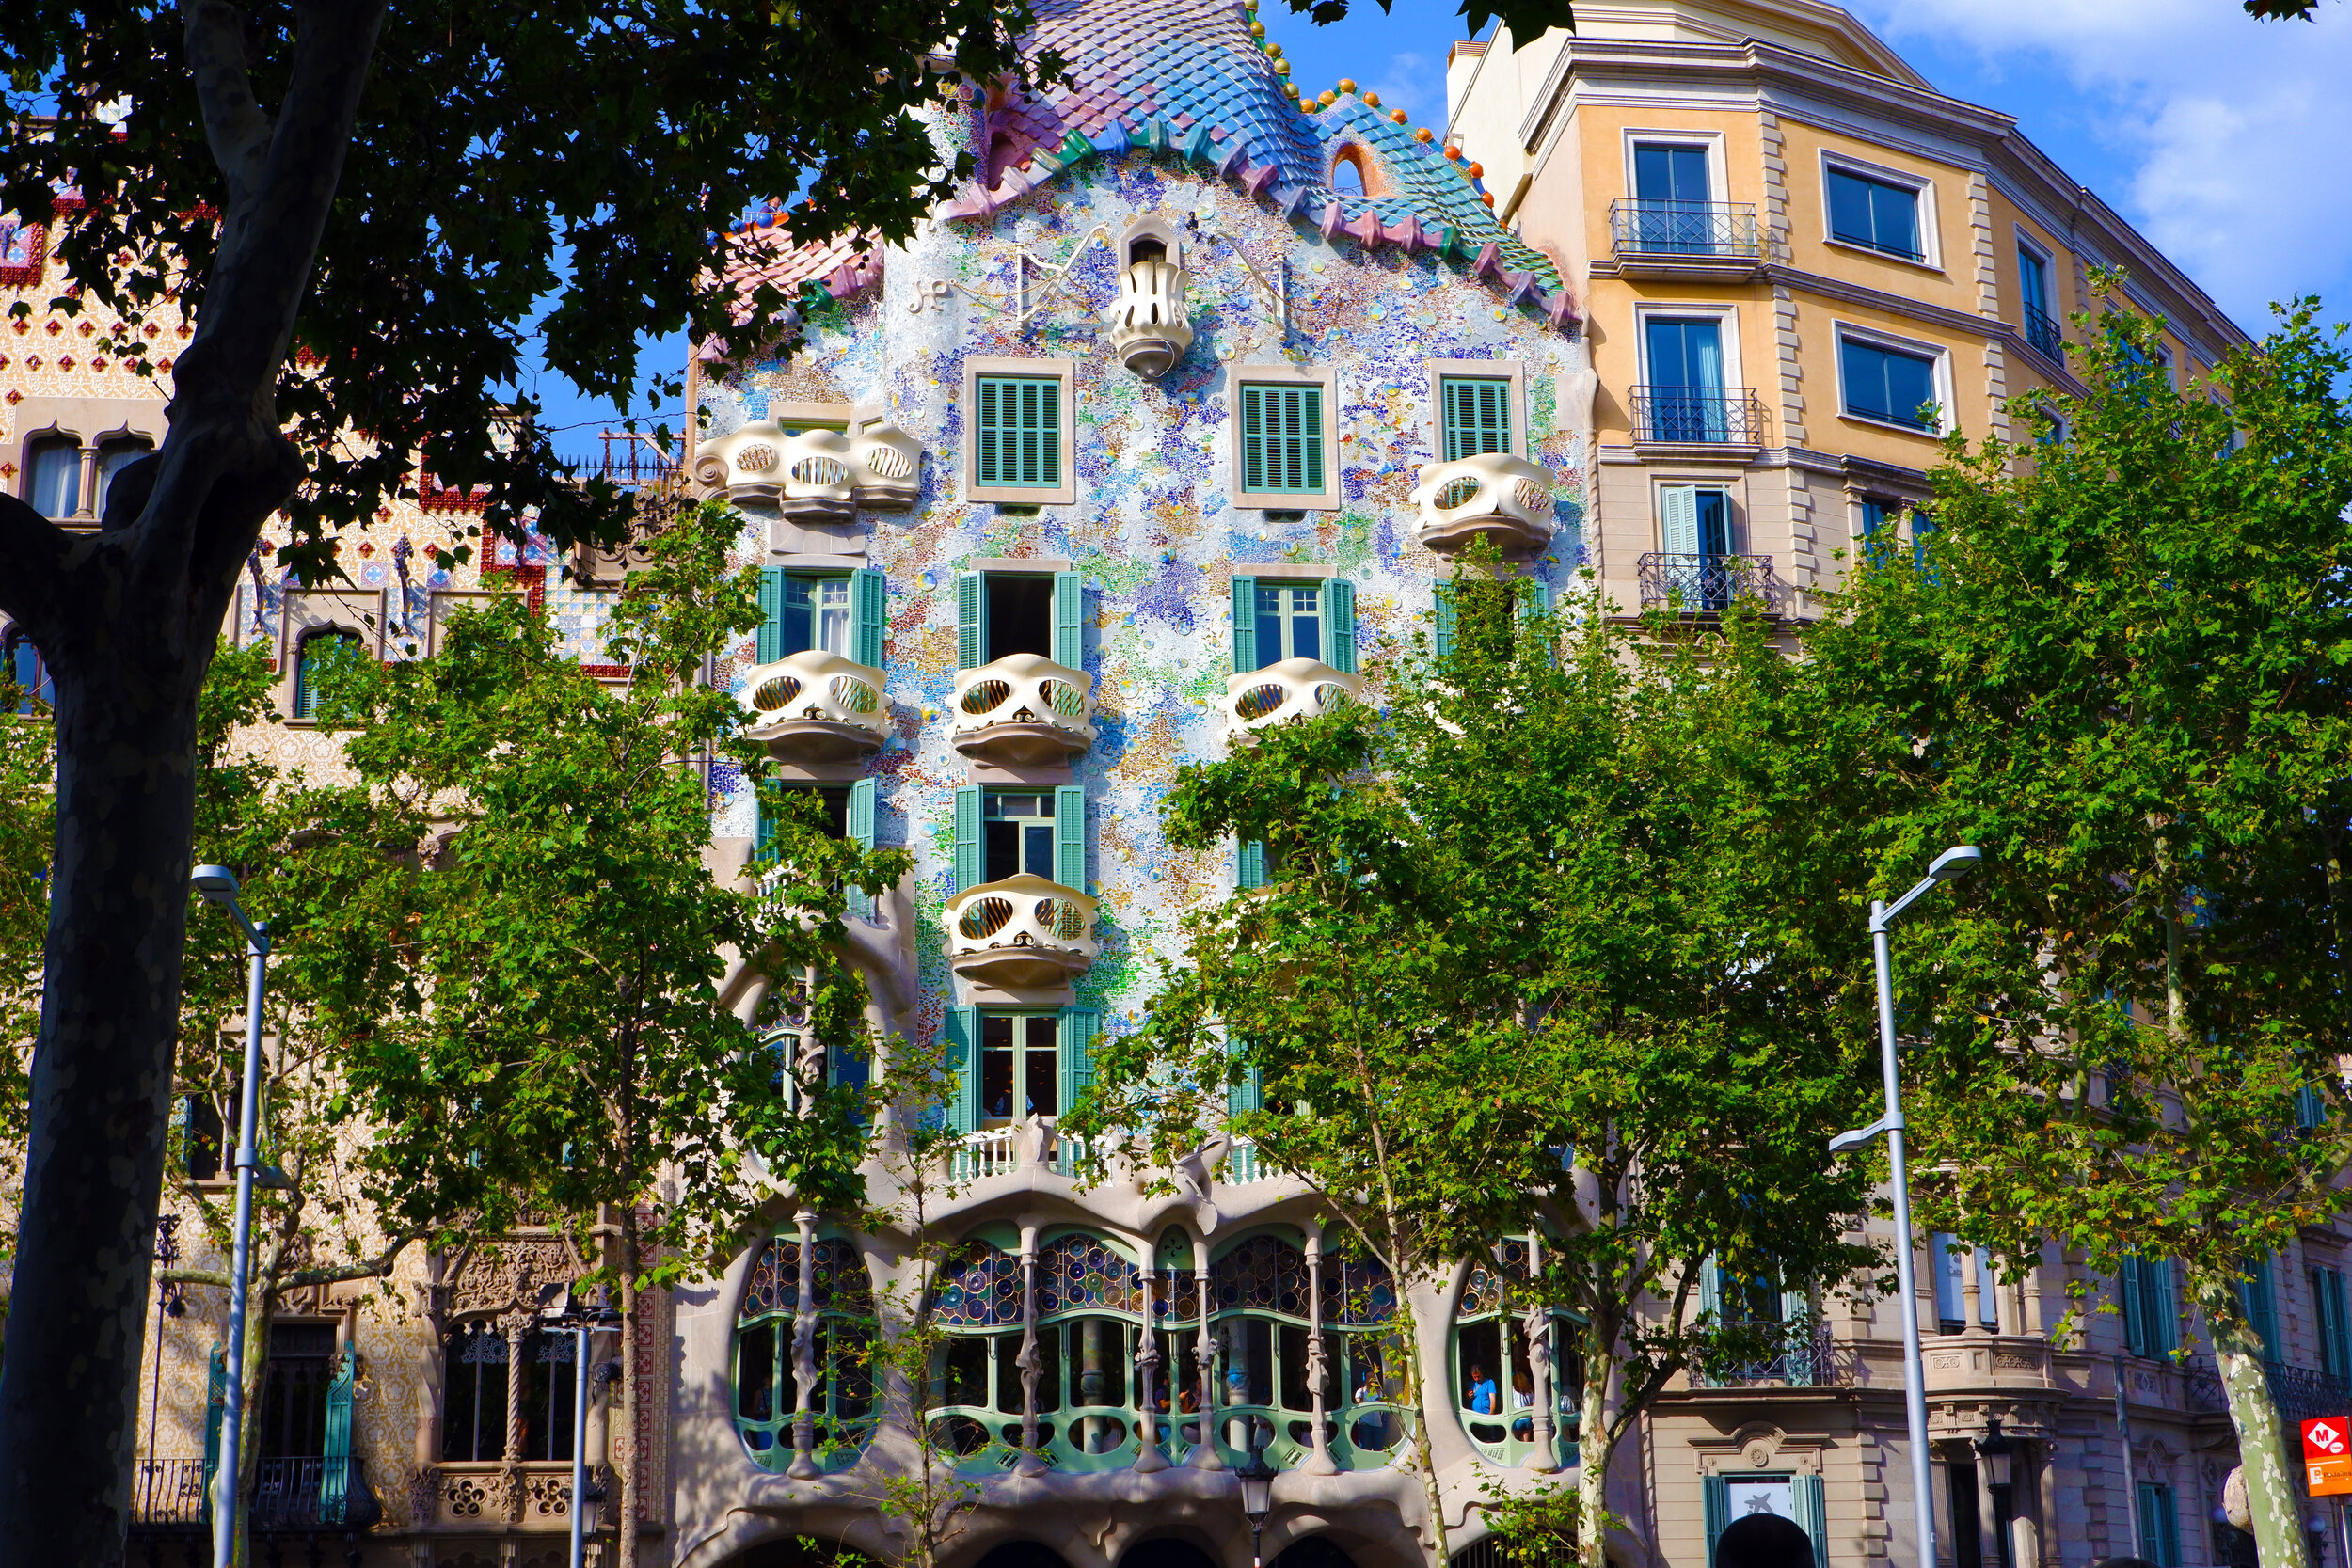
[{"x": 1187, "y": 77}]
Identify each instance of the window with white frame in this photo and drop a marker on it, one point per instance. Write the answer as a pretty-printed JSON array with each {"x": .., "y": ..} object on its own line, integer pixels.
[
  {"x": 1876, "y": 210},
  {"x": 1891, "y": 382}
]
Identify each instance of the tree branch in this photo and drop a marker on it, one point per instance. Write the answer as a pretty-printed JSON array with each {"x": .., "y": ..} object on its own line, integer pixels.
[
  {"x": 34, "y": 578},
  {"x": 372, "y": 1268},
  {"x": 234, "y": 126}
]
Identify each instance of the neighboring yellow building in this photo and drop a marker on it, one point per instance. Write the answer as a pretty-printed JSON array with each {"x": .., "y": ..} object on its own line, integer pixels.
[{"x": 1784, "y": 242}]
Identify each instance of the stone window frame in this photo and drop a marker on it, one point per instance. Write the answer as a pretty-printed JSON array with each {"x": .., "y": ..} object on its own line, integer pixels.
[{"x": 1281, "y": 373}]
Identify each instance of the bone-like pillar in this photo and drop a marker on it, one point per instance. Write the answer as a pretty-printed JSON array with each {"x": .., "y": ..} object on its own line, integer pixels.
[{"x": 804, "y": 1353}]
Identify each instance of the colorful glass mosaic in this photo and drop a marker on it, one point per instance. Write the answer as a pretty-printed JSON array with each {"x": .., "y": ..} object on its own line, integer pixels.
[
  {"x": 1086, "y": 1273},
  {"x": 775, "y": 1282},
  {"x": 1265, "y": 1274},
  {"x": 1357, "y": 1293},
  {"x": 838, "y": 1279},
  {"x": 979, "y": 1287}
]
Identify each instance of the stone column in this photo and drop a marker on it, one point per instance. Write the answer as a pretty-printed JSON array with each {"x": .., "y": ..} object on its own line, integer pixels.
[
  {"x": 804, "y": 1370},
  {"x": 1535, "y": 1324},
  {"x": 1029, "y": 1361},
  {"x": 1149, "y": 1458},
  {"x": 516, "y": 1325},
  {"x": 1972, "y": 1283},
  {"x": 1318, "y": 1362},
  {"x": 1204, "y": 1457}
]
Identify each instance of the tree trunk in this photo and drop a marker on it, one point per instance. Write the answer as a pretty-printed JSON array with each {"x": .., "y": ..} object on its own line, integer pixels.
[
  {"x": 260, "y": 1309},
  {"x": 1593, "y": 1447},
  {"x": 625, "y": 1452},
  {"x": 127, "y": 622},
  {"x": 2271, "y": 1493}
]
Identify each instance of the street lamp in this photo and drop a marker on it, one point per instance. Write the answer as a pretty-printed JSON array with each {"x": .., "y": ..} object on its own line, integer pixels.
[
  {"x": 557, "y": 1310},
  {"x": 1995, "y": 1451},
  {"x": 218, "y": 884},
  {"x": 1257, "y": 1496},
  {"x": 1948, "y": 866}
]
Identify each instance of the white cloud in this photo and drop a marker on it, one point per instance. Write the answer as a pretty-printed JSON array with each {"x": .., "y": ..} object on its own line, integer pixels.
[
  {"x": 2232, "y": 130},
  {"x": 1415, "y": 83}
]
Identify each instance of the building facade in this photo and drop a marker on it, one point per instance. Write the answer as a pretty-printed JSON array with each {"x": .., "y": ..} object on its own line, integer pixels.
[{"x": 1168, "y": 428}]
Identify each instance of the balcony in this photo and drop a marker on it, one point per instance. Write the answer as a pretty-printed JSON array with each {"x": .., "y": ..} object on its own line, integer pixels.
[
  {"x": 1697, "y": 417},
  {"x": 1149, "y": 324},
  {"x": 1507, "y": 499},
  {"x": 1024, "y": 710},
  {"x": 1800, "y": 1354},
  {"x": 290, "y": 1495},
  {"x": 1020, "y": 932},
  {"x": 1694, "y": 240},
  {"x": 817, "y": 706},
  {"x": 1015, "y": 1150},
  {"x": 1285, "y": 693},
  {"x": 814, "y": 476},
  {"x": 2043, "y": 335},
  {"x": 1708, "y": 584}
]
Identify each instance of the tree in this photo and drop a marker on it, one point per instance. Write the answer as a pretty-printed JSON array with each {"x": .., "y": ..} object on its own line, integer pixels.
[
  {"x": 403, "y": 230},
  {"x": 2121, "y": 668},
  {"x": 544, "y": 990},
  {"x": 1530, "y": 956},
  {"x": 28, "y": 809}
]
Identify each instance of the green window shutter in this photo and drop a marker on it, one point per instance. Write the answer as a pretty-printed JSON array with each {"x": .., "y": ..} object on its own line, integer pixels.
[
  {"x": 1531, "y": 599},
  {"x": 1075, "y": 1042},
  {"x": 1070, "y": 837},
  {"x": 1070, "y": 605},
  {"x": 1477, "y": 416},
  {"x": 1678, "y": 519},
  {"x": 1335, "y": 604},
  {"x": 1711, "y": 1292},
  {"x": 2159, "y": 1531},
  {"x": 2130, "y": 1287},
  {"x": 2336, "y": 1335},
  {"x": 763, "y": 820},
  {"x": 1718, "y": 1489},
  {"x": 1244, "y": 624},
  {"x": 1442, "y": 640},
  {"x": 860, "y": 832},
  {"x": 869, "y": 596},
  {"x": 2262, "y": 1307},
  {"x": 304, "y": 697},
  {"x": 968, "y": 862},
  {"x": 2164, "y": 1306},
  {"x": 771, "y": 614},
  {"x": 963, "y": 1069},
  {"x": 1249, "y": 865},
  {"x": 335, "y": 1473},
  {"x": 216, "y": 1402},
  {"x": 1248, "y": 1094},
  {"x": 1281, "y": 439},
  {"x": 971, "y": 611},
  {"x": 2310, "y": 1107},
  {"x": 1812, "y": 1510},
  {"x": 1020, "y": 431}
]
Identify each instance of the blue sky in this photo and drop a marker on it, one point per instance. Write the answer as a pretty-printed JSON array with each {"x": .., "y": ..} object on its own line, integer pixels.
[{"x": 2227, "y": 141}]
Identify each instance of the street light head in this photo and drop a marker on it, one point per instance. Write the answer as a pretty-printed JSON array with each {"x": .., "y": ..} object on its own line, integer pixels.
[
  {"x": 216, "y": 882},
  {"x": 1257, "y": 1486},
  {"x": 1956, "y": 862}
]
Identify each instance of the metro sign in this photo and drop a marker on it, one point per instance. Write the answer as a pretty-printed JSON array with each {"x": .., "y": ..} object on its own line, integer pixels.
[{"x": 2328, "y": 1456}]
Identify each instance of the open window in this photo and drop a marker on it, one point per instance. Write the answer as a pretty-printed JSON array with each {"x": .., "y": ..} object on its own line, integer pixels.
[{"x": 1000, "y": 613}]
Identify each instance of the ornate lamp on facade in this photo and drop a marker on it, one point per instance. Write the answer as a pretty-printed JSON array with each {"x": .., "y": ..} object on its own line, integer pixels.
[
  {"x": 1997, "y": 1454},
  {"x": 1257, "y": 1496}
]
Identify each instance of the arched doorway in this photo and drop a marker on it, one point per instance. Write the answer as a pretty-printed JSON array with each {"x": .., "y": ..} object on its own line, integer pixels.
[
  {"x": 1166, "y": 1552},
  {"x": 1764, "y": 1541},
  {"x": 1315, "y": 1551}
]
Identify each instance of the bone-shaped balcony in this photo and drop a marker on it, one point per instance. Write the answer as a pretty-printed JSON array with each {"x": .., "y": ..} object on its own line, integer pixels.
[
  {"x": 1020, "y": 931},
  {"x": 816, "y": 708},
  {"x": 1150, "y": 328},
  {"x": 1284, "y": 693},
  {"x": 1024, "y": 710},
  {"x": 815, "y": 476},
  {"x": 1491, "y": 496}
]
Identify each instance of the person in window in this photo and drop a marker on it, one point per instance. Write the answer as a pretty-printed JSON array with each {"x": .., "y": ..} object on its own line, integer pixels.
[
  {"x": 1480, "y": 1395},
  {"x": 1523, "y": 1398},
  {"x": 1189, "y": 1404},
  {"x": 1371, "y": 1432}
]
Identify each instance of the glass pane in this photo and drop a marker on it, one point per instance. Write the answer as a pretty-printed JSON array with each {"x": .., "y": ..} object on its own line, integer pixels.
[{"x": 57, "y": 478}]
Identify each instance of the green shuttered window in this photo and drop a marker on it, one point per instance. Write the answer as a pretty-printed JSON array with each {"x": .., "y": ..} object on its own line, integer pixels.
[
  {"x": 1281, "y": 439},
  {"x": 1020, "y": 431},
  {"x": 1477, "y": 416}
]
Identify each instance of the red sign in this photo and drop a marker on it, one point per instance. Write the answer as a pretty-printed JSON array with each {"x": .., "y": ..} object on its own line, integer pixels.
[{"x": 2328, "y": 1456}]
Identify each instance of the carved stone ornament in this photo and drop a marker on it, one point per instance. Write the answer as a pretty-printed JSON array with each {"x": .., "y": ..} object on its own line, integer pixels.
[{"x": 500, "y": 1278}]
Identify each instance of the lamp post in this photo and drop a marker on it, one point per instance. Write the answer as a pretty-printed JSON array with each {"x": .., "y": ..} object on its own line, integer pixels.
[
  {"x": 1257, "y": 1496},
  {"x": 1948, "y": 866},
  {"x": 1996, "y": 1452},
  {"x": 557, "y": 1310},
  {"x": 218, "y": 884}
]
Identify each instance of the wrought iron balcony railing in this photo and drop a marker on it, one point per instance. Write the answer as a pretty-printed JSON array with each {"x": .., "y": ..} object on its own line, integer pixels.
[
  {"x": 288, "y": 1495},
  {"x": 2043, "y": 334},
  {"x": 1653, "y": 230},
  {"x": 1707, "y": 584},
  {"x": 1732, "y": 415},
  {"x": 2300, "y": 1393},
  {"x": 1803, "y": 1356}
]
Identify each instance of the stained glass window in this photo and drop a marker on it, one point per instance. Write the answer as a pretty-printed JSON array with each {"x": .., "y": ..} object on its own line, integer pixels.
[
  {"x": 1086, "y": 1273},
  {"x": 1265, "y": 1274},
  {"x": 841, "y": 1403},
  {"x": 979, "y": 1287}
]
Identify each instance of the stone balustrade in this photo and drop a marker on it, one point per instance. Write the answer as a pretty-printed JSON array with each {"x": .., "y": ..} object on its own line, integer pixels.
[
  {"x": 1492, "y": 495},
  {"x": 1020, "y": 931},
  {"x": 1024, "y": 710},
  {"x": 1282, "y": 693},
  {"x": 814, "y": 476},
  {"x": 817, "y": 706}
]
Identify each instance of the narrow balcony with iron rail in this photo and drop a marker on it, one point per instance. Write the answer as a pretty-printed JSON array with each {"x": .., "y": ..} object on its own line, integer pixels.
[
  {"x": 1728, "y": 419},
  {"x": 1697, "y": 241},
  {"x": 1708, "y": 584}
]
